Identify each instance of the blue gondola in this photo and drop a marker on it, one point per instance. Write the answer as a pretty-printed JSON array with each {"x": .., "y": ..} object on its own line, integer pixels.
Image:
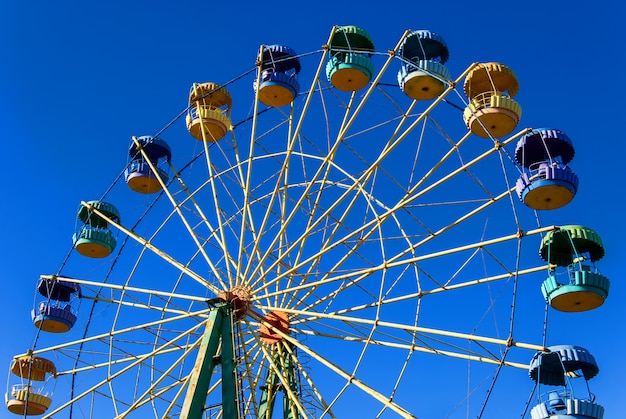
[
  {"x": 559, "y": 367},
  {"x": 138, "y": 174},
  {"x": 278, "y": 85}
]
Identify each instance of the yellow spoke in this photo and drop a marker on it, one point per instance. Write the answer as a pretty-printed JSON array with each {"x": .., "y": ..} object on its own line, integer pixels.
[
  {"x": 309, "y": 316},
  {"x": 357, "y": 275},
  {"x": 205, "y": 220},
  {"x": 190, "y": 315},
  {"x": 310, "y": 382},
  {"x": 154, "y": 249},
  {"x": 147, "y": 395},
  {"x": 123, "y": 287},
  {"x": 177, "y": 208},
  {"x": 413, "y": 347},
  {"x": 410, "y": 197},
  {"x": 128, "y": 358},
  {"x": 111, "y": 377},
  {"x": 351, "y": 379},
  {"x": 357, "y": 183}
]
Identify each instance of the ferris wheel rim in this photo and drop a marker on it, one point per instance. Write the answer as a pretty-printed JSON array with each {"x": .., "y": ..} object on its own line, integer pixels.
[{"x": 260, "y": 265}]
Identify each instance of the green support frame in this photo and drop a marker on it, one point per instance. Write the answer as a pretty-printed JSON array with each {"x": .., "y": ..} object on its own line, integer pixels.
[
  {"x": 272, "y": 386},
  {"x": 219, "y": 328}
]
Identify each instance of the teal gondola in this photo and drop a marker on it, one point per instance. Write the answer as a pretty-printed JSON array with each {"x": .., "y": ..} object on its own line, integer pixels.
[
  {"x": 423, "y": 76},
  {"x": 576, "y": 248},
  {"x": 93, "y": 237},
  {"x": 350, "y": 67}
]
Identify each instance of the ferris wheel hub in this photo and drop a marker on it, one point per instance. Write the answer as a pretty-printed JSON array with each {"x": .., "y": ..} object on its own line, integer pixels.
[
  {"x": 278, "y": 322},
  {"x": 239, "y": 298}
]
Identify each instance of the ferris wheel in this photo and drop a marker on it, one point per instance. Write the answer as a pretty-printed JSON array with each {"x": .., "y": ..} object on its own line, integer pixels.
[{"x": 340, "y": 233}]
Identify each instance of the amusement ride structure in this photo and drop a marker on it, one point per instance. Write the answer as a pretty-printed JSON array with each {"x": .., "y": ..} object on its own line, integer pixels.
[{"x": 337, "y": 251}]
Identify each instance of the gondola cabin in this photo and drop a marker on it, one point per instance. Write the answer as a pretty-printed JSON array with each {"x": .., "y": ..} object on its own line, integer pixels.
[
  {"x": 93, "y": 237},
  {"x": 278, "y": 80},
  {"x": 55, "y": 314},
  {"x": 546, "y": 181},
  {"x": 423, "y": 76},
  {"x": 491, "y": 111},
  {"x": 148, "y": 160},
  {"x": 208, "y": 116},
  {"x": 557, "y": 369},
  {"x": 29, "y": 398},
  {"x": 576, "y": 248},
  {"x": 350, "y": 67}
]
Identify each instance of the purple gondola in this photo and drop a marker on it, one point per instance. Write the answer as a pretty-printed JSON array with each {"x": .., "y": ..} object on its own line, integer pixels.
[
  {"x": 546, "y": 181},
  {"x": 55, "y": 314}
]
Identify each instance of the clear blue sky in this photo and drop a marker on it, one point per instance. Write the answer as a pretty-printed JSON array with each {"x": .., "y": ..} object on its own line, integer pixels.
[{"x": 79, "y": 79}]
